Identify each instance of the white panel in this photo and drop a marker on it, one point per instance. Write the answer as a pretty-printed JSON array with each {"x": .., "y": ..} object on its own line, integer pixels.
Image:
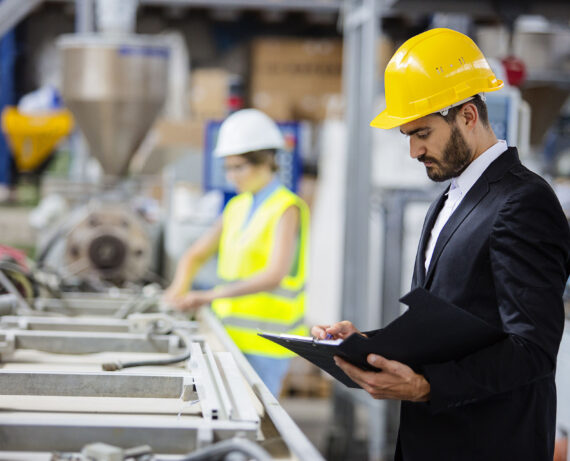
[{"x": 563, "y": 380}]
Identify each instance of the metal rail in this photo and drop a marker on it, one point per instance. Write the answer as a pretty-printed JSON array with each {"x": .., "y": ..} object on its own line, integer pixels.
[
  {"x": 41, "y": 431},
  {"x": 291, "y": 5},
  {"x": 296, "y": 441},
  {"x": 87, "y": 384},
  {"x": 87, "y": 342}
]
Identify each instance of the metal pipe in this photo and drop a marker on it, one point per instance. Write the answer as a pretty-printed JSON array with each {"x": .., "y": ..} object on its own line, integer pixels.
[
  {"x": 84, "y": 22},
  {"x": 8, "y": 304}
]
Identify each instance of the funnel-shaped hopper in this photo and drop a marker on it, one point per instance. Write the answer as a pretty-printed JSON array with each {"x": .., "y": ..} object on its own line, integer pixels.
[{"x": 115, "y": 88}]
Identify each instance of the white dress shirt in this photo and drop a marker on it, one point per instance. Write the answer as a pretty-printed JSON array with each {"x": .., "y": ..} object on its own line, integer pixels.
[{"x": 458, "y": 189}]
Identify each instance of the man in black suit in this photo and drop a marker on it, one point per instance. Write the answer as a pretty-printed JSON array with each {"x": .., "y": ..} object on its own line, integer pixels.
[{"x": 496, "y": 244}]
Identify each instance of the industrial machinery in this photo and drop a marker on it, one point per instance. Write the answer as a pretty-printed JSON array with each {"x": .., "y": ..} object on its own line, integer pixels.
[
  {"x": 92, "y": 378},
  {"x": 114, "y": 86},
  {"x": 93, "y": 365}
]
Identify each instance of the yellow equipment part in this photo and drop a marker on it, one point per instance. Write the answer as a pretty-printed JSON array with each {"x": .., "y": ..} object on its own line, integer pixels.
[{"x": 32, "y": 138}]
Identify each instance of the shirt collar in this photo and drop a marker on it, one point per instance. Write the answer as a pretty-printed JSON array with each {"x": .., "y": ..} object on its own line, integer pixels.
[
  {"x": 476, "y": 168},
  {"x": 262, "y": 194}
]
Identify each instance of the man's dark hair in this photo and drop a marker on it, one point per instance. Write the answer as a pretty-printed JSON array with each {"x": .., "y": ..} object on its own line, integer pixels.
[
  {"x": 479, "y": 104},
  {"x": 259, "y": 157}
]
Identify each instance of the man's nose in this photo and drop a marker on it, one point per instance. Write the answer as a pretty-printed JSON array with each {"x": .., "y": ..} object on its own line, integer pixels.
[{"x": 417, "y": 149}]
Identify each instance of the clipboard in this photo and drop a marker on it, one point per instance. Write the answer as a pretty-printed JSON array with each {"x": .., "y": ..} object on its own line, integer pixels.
[{"x": 432, "y": 330}]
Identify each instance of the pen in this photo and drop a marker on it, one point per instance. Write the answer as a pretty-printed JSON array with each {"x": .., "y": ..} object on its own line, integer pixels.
[{"x": 328, "y": 336}]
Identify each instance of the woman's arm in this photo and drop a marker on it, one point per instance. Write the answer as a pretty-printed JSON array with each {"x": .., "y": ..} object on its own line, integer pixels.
[
  {"x": 279, "y": 265},
  {"x": 192, "y": 260}
]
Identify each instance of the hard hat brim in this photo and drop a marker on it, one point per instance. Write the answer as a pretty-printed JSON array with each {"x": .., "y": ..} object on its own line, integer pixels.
[
  {"x": 239, "y": 150},
  {"x": 386, "y": 121}
]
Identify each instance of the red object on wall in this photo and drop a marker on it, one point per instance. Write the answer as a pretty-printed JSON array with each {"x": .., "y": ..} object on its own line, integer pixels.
[{"x": 515, "y": 69}]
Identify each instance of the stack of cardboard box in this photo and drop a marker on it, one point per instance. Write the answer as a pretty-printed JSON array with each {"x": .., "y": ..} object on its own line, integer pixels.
[
  {"x": 293, "y": 79},
  {"x": 207, "y": 100},
  {"x": 290, "y": 79}
]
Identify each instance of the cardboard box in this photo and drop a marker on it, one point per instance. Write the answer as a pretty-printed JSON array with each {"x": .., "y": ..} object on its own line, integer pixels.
[
  {"x": 294, "y": 78},
  {"x": 183, "y": 133},
  {"x": 209, "y": 93},
  {"x": 277, "y": 105},
  {"x": 167, "y": 141}
]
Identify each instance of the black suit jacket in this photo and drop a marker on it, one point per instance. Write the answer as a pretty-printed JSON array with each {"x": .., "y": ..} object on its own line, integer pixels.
[{"x": 503, "y": 255}]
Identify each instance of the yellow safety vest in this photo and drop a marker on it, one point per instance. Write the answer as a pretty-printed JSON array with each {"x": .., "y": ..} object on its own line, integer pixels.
[{"x": 244, "y": 251}]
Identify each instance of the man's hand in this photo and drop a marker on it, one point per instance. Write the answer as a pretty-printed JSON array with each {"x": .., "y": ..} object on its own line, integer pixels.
[
  {"x": 395, "y": 381},
  {"x": 193, "y": 300},
  {"x": 338, "y": 330}
]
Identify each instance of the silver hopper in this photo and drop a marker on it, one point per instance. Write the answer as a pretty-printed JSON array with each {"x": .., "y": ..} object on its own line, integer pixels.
[{"x": 115, "y": 87}]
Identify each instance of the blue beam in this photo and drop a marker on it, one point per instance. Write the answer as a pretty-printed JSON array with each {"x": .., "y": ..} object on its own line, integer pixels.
[{"x": 7, "y": 96}]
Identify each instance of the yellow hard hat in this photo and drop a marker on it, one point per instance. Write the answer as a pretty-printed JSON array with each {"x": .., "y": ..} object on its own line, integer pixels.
[{"x": 430, "y": 72}]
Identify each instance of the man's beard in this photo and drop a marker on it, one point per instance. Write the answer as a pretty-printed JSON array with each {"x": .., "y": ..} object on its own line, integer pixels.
[{"x": 456, "y": 158}]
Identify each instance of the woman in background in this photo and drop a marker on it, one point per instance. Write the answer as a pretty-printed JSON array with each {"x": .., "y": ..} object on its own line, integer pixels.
[{"x": 261, "y": 241}]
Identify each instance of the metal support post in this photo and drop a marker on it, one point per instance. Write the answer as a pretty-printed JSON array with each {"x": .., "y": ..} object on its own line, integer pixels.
[
  {"x": 84, "y": 22},
  {"x": 361, "y": 24},
  {"x": 360, "y": 32}
]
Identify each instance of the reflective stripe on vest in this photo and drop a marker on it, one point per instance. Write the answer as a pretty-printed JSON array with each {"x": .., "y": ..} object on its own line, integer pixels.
[
  {"x": 261, "y": 325},
  {"x": 282, "y": 292}
]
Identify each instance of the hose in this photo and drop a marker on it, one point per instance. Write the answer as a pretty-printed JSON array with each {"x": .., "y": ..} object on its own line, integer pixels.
[
  {"x": 11, "y": 289},
  {"x": 118, "y": 365}
]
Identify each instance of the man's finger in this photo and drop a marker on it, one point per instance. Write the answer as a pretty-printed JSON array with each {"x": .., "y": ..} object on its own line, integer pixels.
[
  {"x": 390, "y": 366},
  {"x": 318, "y": 331},
  {"x": 353, "y": 372},
  {"x": 377, "y": 361}
]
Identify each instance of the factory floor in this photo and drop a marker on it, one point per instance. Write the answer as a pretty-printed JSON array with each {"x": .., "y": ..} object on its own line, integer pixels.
[{"x": 312, "y": 415}]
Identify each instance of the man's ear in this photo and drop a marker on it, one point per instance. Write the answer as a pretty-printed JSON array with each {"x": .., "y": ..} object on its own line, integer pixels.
[{"x": 468, "y": 116}]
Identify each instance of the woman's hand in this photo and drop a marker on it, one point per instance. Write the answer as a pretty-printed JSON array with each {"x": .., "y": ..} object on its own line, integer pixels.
[
  {"x": 173, "y": 292},
  {"x": 339, "y": 330},
  {"x": 193, "y": 300}
]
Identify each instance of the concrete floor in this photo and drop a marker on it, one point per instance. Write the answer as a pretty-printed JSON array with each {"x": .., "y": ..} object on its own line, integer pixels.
[{"x": 312, "y": 415}]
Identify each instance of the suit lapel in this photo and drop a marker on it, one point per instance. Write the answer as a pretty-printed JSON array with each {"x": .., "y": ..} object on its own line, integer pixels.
[
  {"x": 433, "y": 212},
  {"x": 493, "y": 173},
  {"x": 473, "y": 197}
]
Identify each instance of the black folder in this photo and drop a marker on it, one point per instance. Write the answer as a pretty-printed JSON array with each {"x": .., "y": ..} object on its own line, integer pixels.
[{"x": 432, "y": 330}]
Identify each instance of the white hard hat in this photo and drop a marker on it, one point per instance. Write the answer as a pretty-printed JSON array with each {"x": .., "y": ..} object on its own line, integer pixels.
[{"x": 247, "y": 130}]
